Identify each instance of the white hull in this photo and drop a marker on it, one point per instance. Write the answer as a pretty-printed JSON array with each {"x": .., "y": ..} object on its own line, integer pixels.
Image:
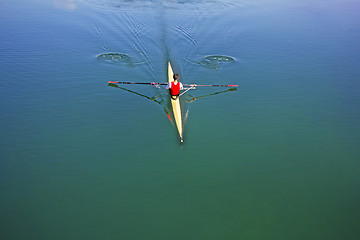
[{"x": 176, "y": 106}]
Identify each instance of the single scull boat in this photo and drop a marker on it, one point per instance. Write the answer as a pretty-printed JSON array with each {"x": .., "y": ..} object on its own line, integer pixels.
[{"x": 175, "y": 103}]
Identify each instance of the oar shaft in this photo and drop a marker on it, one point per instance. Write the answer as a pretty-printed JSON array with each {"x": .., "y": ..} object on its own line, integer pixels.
[{"x": 145, "y": 83}]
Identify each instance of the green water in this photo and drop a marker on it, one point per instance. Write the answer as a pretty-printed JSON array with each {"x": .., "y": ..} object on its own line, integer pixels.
[{"x": 276, "y": 159}]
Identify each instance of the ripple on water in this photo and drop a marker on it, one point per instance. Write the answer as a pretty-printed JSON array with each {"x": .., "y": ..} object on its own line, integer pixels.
[
  {"x": 213, "y": 62},
  {"x": 118, "y": 58},
  {"x": 204, "y": 6}
]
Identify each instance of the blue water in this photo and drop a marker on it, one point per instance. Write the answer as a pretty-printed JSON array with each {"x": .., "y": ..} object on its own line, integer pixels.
[{"x": 276, "y": 159}]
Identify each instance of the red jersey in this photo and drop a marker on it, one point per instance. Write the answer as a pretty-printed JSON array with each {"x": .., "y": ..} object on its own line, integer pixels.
[{"x": 175, "y": 88}]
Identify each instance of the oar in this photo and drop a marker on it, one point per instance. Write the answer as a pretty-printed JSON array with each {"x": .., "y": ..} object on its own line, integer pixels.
[
  {"x": 212, "y": 94},
  {"x": 146, "y": 83},
  {"x": 139, "y": 94},
  {"x": 185, "y": 85},
  {"x": 213, "y": 85}
]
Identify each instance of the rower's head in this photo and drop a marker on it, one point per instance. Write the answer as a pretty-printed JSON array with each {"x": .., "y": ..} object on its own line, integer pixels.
[{"x": 176, "y": 76}]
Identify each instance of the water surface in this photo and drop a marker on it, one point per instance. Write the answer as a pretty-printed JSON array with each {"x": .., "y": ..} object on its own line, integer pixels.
[{"x": 276, "y": 159}]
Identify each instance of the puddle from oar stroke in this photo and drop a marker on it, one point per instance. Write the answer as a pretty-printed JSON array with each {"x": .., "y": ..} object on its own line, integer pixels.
[
  {"x": 116, "y": 58},
  {"x": 213, "y": 62}
]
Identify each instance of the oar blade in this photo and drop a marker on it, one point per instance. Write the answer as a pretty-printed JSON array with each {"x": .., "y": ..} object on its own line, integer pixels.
[{"x": 113, "y": 85}]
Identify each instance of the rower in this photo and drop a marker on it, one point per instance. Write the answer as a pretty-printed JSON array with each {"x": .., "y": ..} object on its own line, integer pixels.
[{"x": 175, "y": 87}]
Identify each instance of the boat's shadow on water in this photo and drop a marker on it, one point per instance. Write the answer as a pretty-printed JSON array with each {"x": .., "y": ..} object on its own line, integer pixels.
[{"x": 161, "y": 98}]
